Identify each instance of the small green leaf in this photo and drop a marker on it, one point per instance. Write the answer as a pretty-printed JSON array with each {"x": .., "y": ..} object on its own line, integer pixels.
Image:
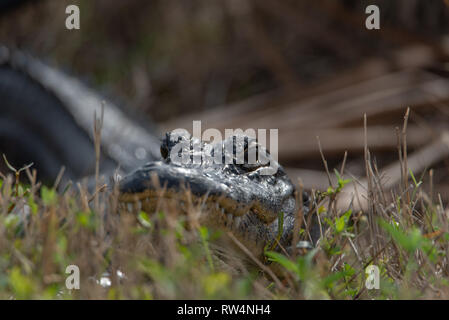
[
  {"x": 340, "y": 224},
  {"x": 48, "y": 196},
  {"x": 32, "y": 205},
  {"x": 144, "y": 219},
  {"x": 215, "y": 283},
  {"x": 204, "y": 233},
  {"x": 417, "y": 184},
  {"x": 283, "y": 261},
  {"x": 410, "y": 241},
  {"x": 20, "y": 284}
]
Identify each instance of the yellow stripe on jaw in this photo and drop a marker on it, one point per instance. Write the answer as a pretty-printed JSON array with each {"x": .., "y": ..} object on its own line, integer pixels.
[{"x": 149, "y": 200}]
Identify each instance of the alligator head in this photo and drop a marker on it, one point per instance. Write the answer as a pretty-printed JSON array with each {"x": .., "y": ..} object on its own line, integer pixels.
[{"x": 238, "y": 191}]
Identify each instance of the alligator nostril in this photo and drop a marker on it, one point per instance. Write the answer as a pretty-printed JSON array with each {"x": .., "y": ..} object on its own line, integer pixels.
[{"x": 164, "y": 152}]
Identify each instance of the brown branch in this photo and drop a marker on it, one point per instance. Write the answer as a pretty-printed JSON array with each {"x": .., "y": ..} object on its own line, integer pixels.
[{"x": 417, "y": 162}]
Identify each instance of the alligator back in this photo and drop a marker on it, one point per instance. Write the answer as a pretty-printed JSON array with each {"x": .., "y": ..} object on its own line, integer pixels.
[{"x": 46, "y": 117}]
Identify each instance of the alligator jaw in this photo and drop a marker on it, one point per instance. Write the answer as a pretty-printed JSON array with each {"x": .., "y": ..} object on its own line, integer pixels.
[
  {"x": 189, "y": 188},
  {"x": 146, "y": 184}
]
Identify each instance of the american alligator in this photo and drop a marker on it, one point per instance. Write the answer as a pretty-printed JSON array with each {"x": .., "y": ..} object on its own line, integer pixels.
[
  {"x": 234, "y": 195},
  {"x": 47, "y": 117}
]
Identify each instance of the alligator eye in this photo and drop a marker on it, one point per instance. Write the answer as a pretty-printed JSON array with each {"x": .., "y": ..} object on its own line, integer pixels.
[
  {"x": 250, "y": 167},
  {"x": 253, "y": 159},
  {"x": 249, "y": 164},
  {"x": 164, "y": 152}
]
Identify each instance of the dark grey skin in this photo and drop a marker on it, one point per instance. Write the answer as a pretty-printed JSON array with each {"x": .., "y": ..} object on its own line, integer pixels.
[
  {"x": 237, "y": 197},
  {"x": 46, "y": 117}
]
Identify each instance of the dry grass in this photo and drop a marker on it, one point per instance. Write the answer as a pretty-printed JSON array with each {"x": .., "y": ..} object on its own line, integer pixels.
[{"x": 167, "y": 255}]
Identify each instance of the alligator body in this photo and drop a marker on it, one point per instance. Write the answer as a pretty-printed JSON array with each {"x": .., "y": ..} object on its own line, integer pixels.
[{"x": 46, "y": 117}]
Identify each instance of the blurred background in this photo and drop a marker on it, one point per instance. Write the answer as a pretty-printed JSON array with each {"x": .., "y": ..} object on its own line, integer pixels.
[{"x": 307, "y": 68}]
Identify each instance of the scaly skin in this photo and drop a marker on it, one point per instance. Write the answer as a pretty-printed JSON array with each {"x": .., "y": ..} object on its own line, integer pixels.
[
  {"x": 46, "y": 117},
  {"x": 235, "y": 197}
]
